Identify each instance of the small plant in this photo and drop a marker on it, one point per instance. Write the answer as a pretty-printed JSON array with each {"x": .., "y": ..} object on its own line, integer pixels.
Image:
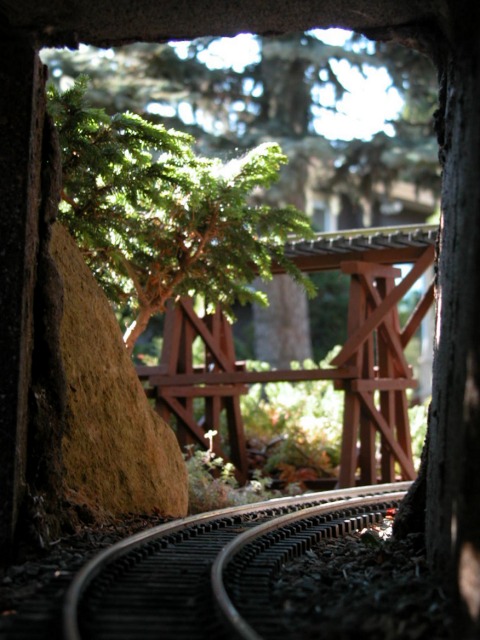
[
  {"x": 212, "y": 483},
  {"x": 205, "y": 491}
]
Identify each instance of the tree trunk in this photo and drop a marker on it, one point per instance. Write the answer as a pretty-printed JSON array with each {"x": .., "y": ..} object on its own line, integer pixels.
[
  {"x": 22, "y": 106},
  {"x": 453, "y": 477},
  {"x": 135, "y": 330},
  {"x": 48, "y": 395},
  {"x": 282, "y": 330}
]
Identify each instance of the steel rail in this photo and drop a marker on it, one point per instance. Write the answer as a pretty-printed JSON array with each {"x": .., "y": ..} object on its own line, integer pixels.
[
  {"x": 107, "y": 557},
  {"x": 239, "y": 626},
  {"x": 413, "y": 230}
]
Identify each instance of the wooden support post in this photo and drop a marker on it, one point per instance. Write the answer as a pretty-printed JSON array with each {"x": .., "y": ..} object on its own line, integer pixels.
[
  {"x": 386, "y": 370},
  {"x": 349, "y": 450},
  {"x": 367, "y": 458},
  {"x": 213, "y": 404},
  {"x": 351, "y": 417},
  {"x": 375, "y": 348},
  {"x": 182, "y": 327},
  {"x": 402, "y": 422},
  {"x": 236, "y": 433}
]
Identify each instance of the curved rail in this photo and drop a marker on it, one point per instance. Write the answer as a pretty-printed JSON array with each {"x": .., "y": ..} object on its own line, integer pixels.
[
  {"x": 226, "y": 524},
  {"x": 237, "y": 623}
]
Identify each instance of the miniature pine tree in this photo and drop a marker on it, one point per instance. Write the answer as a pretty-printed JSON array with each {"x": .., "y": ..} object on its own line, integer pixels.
[{"x": 155, "y": 221}]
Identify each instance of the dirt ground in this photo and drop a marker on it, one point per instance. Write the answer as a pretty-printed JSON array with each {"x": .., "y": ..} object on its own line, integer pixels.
[{"x": 365, "y": 585}]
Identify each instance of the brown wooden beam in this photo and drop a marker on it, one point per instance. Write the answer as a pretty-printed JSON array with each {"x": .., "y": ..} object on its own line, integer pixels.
[
  {"x": 252, "y": 377},
  {"x": 329, "y": 262},
  {"x": 197, "y": 432},
  {"x": 387, "y": 432},
  {"x": 203, "y": 331},
  {"x": 184, "y": 391},
  {"x": 144, "y": 371},
  {"x": 377, "y": 316},
  {"x": 372, "y": 269},
  {"x": 418, "y": 315},
  {"x": 388, "y": 331},
  {"x": 383, "y": 384},
  {"x": 349, "y": 453},
  {"x": 172, "y": 331}
]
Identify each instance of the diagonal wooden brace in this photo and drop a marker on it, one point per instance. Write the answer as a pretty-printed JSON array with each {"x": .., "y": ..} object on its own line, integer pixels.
[
  {"x": 382, "y": 426},
  {"x": 356, "y": 340},
  {"x": 183, "y": 415},
  {"x": 418, "y": 314},
  {"x": 389, "y": 333},
  {"x": 209, "y": 340}
]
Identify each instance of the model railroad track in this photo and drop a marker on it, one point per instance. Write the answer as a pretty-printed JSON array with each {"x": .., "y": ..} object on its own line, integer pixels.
[{"x": 208, "y": 576}]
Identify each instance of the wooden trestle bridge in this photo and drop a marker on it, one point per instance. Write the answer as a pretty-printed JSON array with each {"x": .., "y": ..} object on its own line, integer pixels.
[{"x": 371, "y": 360}]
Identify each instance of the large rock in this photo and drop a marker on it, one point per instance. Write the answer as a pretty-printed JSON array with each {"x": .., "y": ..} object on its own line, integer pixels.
[{"x": 119, "y": 455}]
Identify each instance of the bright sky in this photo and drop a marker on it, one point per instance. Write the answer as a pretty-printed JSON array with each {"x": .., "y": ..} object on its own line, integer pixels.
[{"x": 364, "y": 111}]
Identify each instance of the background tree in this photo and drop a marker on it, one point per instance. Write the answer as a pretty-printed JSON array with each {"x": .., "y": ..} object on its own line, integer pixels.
[{"x": 289, "y": 86}]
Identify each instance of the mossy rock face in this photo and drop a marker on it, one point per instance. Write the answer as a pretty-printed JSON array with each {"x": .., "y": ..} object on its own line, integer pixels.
[{"x": 119, "y": 455}]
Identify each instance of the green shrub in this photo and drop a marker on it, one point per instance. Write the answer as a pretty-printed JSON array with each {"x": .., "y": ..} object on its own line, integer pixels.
[
  {"x": 295, "y": 426},
  {"x": 296, "y": 429},
  {"x": 212, "y": 484}
]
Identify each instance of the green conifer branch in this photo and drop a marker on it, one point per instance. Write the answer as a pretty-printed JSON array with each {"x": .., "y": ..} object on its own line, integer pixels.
[{"x": 155, "y": 221}]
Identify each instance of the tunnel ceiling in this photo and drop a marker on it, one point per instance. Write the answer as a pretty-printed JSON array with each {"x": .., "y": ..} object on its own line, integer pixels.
[{"x": 115, "y": 22}]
